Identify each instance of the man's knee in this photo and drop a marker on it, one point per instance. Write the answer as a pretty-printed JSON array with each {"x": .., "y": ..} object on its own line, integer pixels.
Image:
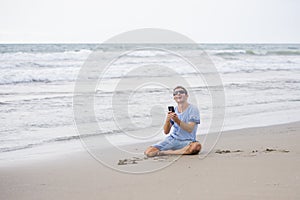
[{"x": 194, "y": 148}]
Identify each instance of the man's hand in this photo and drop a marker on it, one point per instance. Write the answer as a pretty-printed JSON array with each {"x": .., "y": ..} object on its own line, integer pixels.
[
  {"x": 175, "y": 118},
  {"x": 169, "y": 116}
]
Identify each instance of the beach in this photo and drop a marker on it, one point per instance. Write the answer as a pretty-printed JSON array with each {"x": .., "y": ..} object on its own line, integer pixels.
[
  {"x": 250, "y": 163},
  {"x": 52, "y": 148},
  {"x": 98, "y": 100},
  {"x": 86, "y": 90}
]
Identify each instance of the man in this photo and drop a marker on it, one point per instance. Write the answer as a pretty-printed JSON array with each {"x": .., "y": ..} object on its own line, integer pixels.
[{"x": 185, "y": 120}]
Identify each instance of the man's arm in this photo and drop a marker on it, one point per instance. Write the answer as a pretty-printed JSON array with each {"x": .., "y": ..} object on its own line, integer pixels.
[
  {"x": 189, "y": 127},
  {"x": 168, "y": 125}
]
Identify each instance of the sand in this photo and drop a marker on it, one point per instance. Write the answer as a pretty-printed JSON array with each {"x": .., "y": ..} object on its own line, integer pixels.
[{"x": 254, "y": 163}]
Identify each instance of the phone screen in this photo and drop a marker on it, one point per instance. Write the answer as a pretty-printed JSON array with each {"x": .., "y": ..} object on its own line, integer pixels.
[{"x": 171, "y": 108}]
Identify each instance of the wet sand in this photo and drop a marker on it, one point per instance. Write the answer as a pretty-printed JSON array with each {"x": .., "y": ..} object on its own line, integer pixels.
[{"x": 254, "y": 163}]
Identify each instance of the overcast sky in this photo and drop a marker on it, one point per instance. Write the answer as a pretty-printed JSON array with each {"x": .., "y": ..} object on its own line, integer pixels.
[{"x": 204, "y": 21}]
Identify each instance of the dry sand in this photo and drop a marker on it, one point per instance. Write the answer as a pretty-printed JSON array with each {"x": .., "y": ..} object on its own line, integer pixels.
[{"x": 255, "y": 163}]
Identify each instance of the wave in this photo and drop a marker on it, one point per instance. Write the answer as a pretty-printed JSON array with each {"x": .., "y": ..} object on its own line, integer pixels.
[
  {"x": 27, "y": 79},
  {"x": 272, "y": 101},
  {"x": 54, "y": 140},
  {"x": 265, "y": 85},
  {"x": 275, "y": 52},
  {"x": 25, "y": 60},
  {"x": 33, "y": 80},
  {"x": 45, "y": 56},
  {"x": 228, "y": 70},
  {"x": 148, "y": 53},
  {"x": 255, "y": 52},
  {"x": 47, "y": 75},
  {"x": 68, "y": 74},
  {"x": 226, "y": 52}
]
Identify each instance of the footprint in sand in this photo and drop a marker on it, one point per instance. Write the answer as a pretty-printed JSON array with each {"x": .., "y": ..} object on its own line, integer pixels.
[
  {"x": 253, "y": 151},
  {"x": 127, "y": 161},
  {"x": 278, "y": 150},
  {"x": 227, "y": 151},
  {"x": 135, "y": 160}
]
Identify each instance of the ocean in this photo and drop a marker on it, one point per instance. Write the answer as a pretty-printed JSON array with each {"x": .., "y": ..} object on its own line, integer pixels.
[{"x": 261, "y": 84}]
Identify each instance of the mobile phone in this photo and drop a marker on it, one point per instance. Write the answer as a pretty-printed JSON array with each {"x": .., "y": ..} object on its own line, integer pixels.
[{"x": 171, "y": 108}]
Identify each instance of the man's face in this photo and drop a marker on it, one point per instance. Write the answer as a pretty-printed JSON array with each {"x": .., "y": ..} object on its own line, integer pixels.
[{"x": 180, "y": 96}]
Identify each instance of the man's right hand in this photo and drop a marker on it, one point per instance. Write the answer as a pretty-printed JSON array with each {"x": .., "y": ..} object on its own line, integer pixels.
[{"x": 169, "y": 116}]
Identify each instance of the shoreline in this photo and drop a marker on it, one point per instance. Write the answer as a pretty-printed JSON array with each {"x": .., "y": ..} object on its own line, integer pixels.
[
  {"x": 80, "y": 147},
  {"x": 265, "y": 167}
]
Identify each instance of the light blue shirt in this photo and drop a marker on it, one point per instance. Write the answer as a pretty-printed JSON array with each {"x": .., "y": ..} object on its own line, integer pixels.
[{"x": 191, "y": 114}]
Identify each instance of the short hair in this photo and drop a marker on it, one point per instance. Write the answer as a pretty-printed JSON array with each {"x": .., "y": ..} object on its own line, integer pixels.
[{"x": 181, "y": 87}]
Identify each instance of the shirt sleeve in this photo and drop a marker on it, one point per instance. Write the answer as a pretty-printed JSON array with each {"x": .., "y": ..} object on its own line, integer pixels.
[{"x": 194, "y": 115}]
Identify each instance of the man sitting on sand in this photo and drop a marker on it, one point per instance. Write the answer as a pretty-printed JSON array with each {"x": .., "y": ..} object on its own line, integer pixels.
[{"x": 184, "y": 120}]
